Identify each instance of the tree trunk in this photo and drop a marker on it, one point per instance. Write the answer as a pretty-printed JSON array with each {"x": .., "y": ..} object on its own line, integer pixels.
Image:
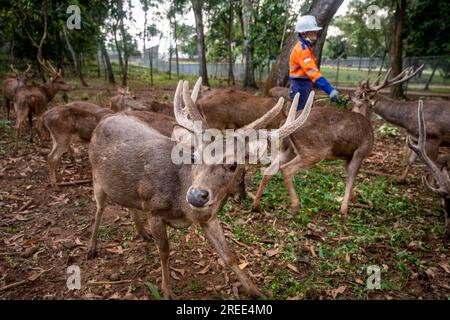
[
  {"x": 119, "y": 54},
  {"x": 197, "y": 8},
  {"x": 249, "y": 73},
  {"x": 109, "y": 69},
  {"x": 324, "y": 11},
  {"x": 175, "y": 36},
  {"x": 231, "y": 79},
  {"x": 76, "y": 64},
  {"x": 126, "y": 54},
  {"x": 397, "y": 46}
]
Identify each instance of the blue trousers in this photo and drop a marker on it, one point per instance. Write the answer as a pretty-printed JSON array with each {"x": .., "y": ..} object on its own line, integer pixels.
[{"x": 304, "y": 87}]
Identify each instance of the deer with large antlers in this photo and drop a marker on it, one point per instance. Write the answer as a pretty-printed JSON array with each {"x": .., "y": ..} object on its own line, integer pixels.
[
  {"x": 31, "y": 100},
  {"x": 10, "y": 86},
  {"x": 132, "y": 166},
  {"x": 440, "y": 175},
  {"x": 404, "y": 113},
  {"x": 330, "y": 134}
]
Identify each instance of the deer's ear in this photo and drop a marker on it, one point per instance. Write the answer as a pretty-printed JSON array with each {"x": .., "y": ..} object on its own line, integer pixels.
[{"x": 182, "y": 136}]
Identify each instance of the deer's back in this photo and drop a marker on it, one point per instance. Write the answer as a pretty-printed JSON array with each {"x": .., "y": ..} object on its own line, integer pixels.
[
  {"x": 332, "y": 133},
  {"x": 234, "y": 109},
  {"x": 32, "y": 97},
  {"x": 9, "y": 88},
  {"x": 132, "y": 163}
]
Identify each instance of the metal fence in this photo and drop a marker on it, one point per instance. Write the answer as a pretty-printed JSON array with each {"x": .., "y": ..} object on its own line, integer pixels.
[
  {"x": 340, "y": 72},
  {"x": 347, "y": 72}
]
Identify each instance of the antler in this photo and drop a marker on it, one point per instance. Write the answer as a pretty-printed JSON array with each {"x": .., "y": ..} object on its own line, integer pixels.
[
  {"x": 13, "y": 69},
  {"x": 180, "y": 115},
  {"x": 403, "y": 76},
  {"x": 290, "y": 127},
  {"x": 442, "y": 177}
]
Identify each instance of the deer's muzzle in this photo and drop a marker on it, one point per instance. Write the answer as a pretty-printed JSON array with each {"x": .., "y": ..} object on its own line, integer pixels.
[{"x": 198, "y": 197}]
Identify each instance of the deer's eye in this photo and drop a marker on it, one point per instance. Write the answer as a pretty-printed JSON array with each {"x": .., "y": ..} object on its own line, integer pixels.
[{"x": 232, "y": 167}]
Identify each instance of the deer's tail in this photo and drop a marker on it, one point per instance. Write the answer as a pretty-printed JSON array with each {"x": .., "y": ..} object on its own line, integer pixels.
[{"x": 42, "y": 130}]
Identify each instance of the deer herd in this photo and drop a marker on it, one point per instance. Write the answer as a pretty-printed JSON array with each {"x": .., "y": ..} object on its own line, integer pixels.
[{"x": 130, "y": 147}]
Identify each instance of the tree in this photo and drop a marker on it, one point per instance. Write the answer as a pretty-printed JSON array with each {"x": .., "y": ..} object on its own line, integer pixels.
[
  {"x": 198, "y": 14},
  {"x": 247, "y": 20},
  {"x": 396, "y": 50},
  {"x": 324, "y": 11}
]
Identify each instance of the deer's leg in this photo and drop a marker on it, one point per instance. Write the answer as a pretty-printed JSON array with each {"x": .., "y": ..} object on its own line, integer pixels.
[
  {"x": 214, "y": 234},
  {"x": 289, "y": 170},
  {"x": 139, "y": 226},
  {"x": 30, "y": 123},
  {"x": 20, "y": 119},
  {"x": 100, "y": 199},
  {"x": 158, "y": 230},
  {"x": 60, "y": 145},
  {"x": 412, "y": 156},
  {"x": 432, "y": 150},
  {"x": 7, "y": 107},
  {"x": 447, "y": 217},
  {"x": 352, "y": 170},
  {"x": 352, "y": 193},
  {"x": 262, "y": 186},
  {"x": 267, "y": 174}
]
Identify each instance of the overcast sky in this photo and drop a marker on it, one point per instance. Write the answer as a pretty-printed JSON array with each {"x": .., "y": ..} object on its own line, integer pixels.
[{"x": 163, "y": 24}]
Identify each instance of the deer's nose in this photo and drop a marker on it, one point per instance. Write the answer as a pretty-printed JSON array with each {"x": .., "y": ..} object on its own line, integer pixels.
[{"x": 198, "y": 197}]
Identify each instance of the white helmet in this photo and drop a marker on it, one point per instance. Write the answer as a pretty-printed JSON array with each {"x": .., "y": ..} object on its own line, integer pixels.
[{"x": 306, "y": 23}]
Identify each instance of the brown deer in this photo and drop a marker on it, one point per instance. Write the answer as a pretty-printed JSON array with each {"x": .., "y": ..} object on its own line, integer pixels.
[
  {"x": 329, "y": 134},
  {"x": 278, "y": 92},
  {"x": 404, "y": 113},
  {"x": 10, "y": 86},
  {"x": 78, "y": 119},
  {"x": 132, "y": 166},
  {"x": 440, "y": 175},
  {"x": 124, "y": 100},
  {"x": 31, "y": 100}
]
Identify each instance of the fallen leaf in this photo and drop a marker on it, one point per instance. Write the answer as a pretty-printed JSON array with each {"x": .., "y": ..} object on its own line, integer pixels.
[
  {"x": 293, "y": 268},
  {"x": 180, "y": 271},
  {"x": 431, "y": 272},
  {"x": 115, "y": 296},
  {"x": 130, "y": 296},
  {"x": 347, "y": 257},
  {"x": 242, "y": 266},
  {"x": 20, "y": 217},
  {"x": 444, "y": 266},
  {"x": 271, "y": 252},
  {"x": 78, "y": 242},
  {"x": 204, "y": 270},
  {"x": 338, "y": 270},
  {"x": 336, "y": 292},
  {"x": 174, "y": 275},
  {"x": 359, "y": 281}
]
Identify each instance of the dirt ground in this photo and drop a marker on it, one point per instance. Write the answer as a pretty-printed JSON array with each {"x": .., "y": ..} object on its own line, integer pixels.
[{"x": 44, "y": 230}]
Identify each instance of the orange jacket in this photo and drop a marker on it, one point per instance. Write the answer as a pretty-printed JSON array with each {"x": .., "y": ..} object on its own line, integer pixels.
[{"x": 302, "y": 63}]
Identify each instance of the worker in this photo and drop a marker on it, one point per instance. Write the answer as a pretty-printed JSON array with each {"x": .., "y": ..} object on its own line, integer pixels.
[{"x": 303, "y": 70}]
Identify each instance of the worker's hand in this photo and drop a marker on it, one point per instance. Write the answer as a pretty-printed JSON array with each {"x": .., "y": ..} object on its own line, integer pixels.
[{"x": 334, "y": 96}]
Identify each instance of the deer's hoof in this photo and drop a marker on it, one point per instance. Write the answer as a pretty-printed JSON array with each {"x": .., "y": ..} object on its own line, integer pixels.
[
  {"x": 255, "y": 292},
  {"x": 92, "y": 253},
  {"x": 146, "y": 236},
  {"x": 295, "y": 209}
]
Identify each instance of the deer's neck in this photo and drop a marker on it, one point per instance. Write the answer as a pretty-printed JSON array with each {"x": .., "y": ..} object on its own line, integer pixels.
[
  {"x": 49, "y": 90},
  {"x": 396, "y": 112}
]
